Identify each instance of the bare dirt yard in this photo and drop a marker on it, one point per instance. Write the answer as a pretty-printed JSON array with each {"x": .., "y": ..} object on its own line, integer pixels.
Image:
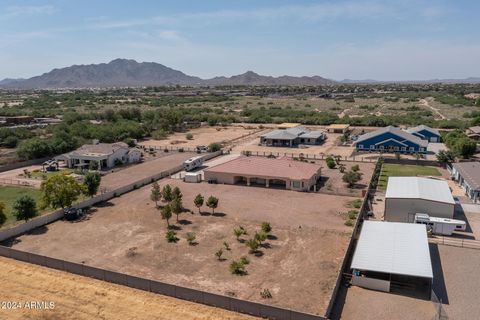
[
  {"x": 82, "y": 298},
  {"x": 203, "y": 136},
  {"x": 143, "y": 170},
  {"x": 298, "y": 264}
]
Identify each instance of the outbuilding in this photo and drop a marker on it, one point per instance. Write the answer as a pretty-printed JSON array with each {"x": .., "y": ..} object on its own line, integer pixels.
[
  {"x": 467, "y": 174},
  {"x": 391, "y": 139},
  {"x": 407, "y": 196},
  {"x": 393, "y": 257},
  {"x": 425, "y": 133},
  {"x": 265, "y": 172}
]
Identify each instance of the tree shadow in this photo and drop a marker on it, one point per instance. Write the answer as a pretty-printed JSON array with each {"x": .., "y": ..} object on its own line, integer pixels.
[
  {"x": 184, "y": 222},
  {"x": 272, "y": 237},
  {"x": 174, "y": 227},
  {"x": 104, "y": 204},
  {"x": 219, "y": 214},
  {"x": 266, "y": 245},
  {"x": 203, "y": 213},
  {"x": 258, "y": 253},
  {"x": 11, "y": 242}
]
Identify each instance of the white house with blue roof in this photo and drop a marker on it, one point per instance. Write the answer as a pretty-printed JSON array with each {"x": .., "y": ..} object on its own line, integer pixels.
[{"x": 391, "y": 139}]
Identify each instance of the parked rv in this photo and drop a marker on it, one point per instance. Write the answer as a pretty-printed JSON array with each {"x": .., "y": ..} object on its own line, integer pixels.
[
  {"x": 443, "y": 226},
  {"x": 193, "y": 163}
]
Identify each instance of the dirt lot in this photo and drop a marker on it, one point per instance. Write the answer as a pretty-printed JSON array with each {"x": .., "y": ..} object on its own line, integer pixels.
[
  {"x": 203, "y": 136},
  {"x": 298, "y": 265},
  {"x": 83, "y": 298},
  {"x": 139, "y": 171}
]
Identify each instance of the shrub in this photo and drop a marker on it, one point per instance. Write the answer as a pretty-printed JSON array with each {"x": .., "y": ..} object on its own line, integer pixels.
[
  {"x": 237, "y": 268},
  {"x": 355, "y": 168},
  {"x": 352, "y": 214},
  {"x": 357, "y": 203},
  {"x": 265, "y": 294},
  {"x": 191, "y": 238},
  {"x": 330, "y": 162},
  {"x": 214, "y": 147},
  {"x": 252, "y": 244},
  {"x": 171, "y": 236},
  {"x": 189, "y": 136},
  {"x": 226, "y": 246},
  {"x": 266, "y": 227},
  {"x": 219, "y": 254},
  {"x": 244, "y": 260},
  {"x": 349, "y": 223}
]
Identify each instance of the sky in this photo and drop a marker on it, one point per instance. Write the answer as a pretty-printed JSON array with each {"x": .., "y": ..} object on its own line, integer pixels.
[{"x": 363, "y": 39}]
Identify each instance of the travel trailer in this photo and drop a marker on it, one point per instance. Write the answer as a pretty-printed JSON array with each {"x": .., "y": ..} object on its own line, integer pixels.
[
  {"x": 193, "y": 163},
  {"x": 443, "y": 226}
]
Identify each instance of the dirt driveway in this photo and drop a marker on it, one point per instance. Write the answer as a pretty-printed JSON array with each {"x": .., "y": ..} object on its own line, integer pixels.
[
  {"x": 140, "y": 171},
  {"x": 298, "y": 265},
  {"x": 82, "y": 298}
]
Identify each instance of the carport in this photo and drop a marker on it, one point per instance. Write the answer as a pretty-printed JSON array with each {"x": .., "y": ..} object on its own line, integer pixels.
[{"x": 393, "y": 257}]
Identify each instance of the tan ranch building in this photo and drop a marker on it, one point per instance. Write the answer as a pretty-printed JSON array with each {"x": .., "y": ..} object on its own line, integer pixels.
[{"x": 266, "y": 172}]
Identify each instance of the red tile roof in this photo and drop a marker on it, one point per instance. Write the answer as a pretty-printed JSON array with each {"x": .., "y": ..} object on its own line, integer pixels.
[{"x": 266, "y": 167}]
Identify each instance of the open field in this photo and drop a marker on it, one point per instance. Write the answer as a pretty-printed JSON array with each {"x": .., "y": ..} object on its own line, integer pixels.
[
  {"x": 298, "y": 265},
  {"x": 82, "y": 298},
  {"x": 203, "y": 136},
  {"x": 8, "y": 195},
  {"x": 403, "y": 170},
  {"x": 143, "y": 170}
]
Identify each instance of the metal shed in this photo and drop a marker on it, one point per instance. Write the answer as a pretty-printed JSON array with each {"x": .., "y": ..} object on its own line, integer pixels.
[
  {"x": 392, "y": 257},
  {"x": 407, "y": 196}
]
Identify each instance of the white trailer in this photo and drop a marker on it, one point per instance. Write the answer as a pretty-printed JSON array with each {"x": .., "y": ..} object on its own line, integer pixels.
[
  {"x": 192, "y": 163},
  {"x": 443, "y": 226}
]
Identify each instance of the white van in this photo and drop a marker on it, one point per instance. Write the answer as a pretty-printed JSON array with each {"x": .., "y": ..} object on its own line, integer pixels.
[
  {"x": 441, "y": 226},
  {"x": 192, "y": 163}
]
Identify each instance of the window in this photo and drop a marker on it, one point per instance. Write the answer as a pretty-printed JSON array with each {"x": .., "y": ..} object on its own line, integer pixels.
[
  {"x": 372, "y": 147},
  {"x": 411, "y": 148},
  {"x": 360, "y": 146},
  {"x": 396, "y": 148},
  {"x": 381, "y": 147},
  {"x": 296, "y": 184},
  {"x": 404, "y": 148},
  {"x": 421, "y": 149}
]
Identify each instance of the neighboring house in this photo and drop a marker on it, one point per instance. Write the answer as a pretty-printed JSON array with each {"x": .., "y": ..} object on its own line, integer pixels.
[
  {"x": 338, "y": 128},
  {"x": 259, "y": 171},
  {"x": 292, "y": 137},
  {"x": 391, "y": 139},
  {"x": 467, "y": 174},
  {"x": 426, "y": 133},
  {"x": 107, "y": 155},
  {"x": 473, "y": 133},
  {"x": 407, "y": 196}
]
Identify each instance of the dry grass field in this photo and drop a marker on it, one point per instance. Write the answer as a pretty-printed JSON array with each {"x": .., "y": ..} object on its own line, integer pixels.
[
  {"x": 82, "y": 298},
  {"x": 298, "y": 265}
]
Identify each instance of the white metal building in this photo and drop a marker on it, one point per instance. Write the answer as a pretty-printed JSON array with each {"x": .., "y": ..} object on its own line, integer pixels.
[
  {"x": 407, "y": 196},
  {"x": 392, "y": 256}
]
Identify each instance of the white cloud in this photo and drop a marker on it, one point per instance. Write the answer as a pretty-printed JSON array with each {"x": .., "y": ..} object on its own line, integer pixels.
[{"x": 16, "y": 11}]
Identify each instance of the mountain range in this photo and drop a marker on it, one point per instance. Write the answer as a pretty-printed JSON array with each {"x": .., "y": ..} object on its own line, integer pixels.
[{"x": 130, "y": 73}]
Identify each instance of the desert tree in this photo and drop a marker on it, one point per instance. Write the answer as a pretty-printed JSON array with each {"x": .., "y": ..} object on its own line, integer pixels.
[
  {"x": 155, "y": 194},
  {"x": 191, "y": 238},
  {"x": 176, "y": 193},
  {"x": 212, "y": 203},
  {"x": 60, "y": 191},
  {"x": 198, "y": 201},
  {"x": 166, "y": 213},
  {"x": 171, "y": 236},
  {"x": 91, "y": 181},
  {"x": 176, "y": 206},
  {"x": 351, "y": 177},
  {"x": 167, "y": 193},
  {"x": 260, "y": 237},
  {"x": 219, "y": 254},
  {"x": 25, "y": 208},
  {"x": 237, "y": 268}
]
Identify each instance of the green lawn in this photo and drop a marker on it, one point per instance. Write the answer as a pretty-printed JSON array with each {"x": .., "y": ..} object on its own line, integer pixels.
[
  {"x": 8, "y": 195},
  {"x": 403, "y": 170}
]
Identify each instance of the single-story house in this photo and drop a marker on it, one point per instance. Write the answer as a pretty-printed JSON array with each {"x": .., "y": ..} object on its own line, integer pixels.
[
  {"x": 391, "y": 139},
  {"x": 107, "y": 155},
  {"x": 473, "y": 133},
  {"x": 292, "y": 137},
  {"x": 467, "y": 174},
  {"x": 338, "y": 128},
  {"x": 407, "y": 196},
  {"x": 391, "y": 257},
  {"x": 426, "y": 133},
  {"x": 266, "y": 172}
]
